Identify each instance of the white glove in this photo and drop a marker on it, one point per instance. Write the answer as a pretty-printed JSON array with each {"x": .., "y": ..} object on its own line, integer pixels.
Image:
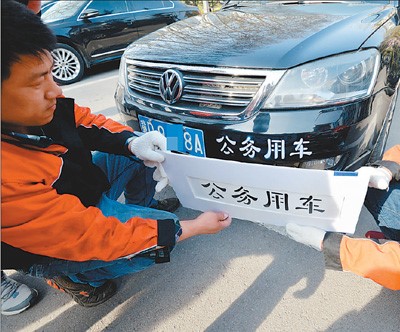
[
  {"x": 307, "y": 235},
  {"x": 160, "y": 176},
  {"x": 145, "y": 147},
  {"x": 379, "y": 178}
]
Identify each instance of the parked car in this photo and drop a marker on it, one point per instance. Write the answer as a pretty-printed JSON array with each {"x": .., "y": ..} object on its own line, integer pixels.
[
  {"x": 309, "y": 84},
  {"x": 96, "y": 31}
]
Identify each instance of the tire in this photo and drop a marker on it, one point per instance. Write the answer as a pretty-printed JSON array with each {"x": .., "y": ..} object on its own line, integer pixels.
[{"x": 68, "y": 65}]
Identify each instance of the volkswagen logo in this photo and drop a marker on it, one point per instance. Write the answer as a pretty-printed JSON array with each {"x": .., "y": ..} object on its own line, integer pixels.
[{"x": 171, "y": 86}]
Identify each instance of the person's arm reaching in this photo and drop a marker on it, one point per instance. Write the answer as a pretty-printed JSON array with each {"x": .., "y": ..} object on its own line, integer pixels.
[
  {"x": 107, "y": 135},
  {"x": 364, "y": 257},
  {"x": 63, "y": 228},
  {"x": 206, "y": 223}
]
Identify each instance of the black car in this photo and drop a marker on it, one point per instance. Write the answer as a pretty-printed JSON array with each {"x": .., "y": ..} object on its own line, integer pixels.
[
  {"x": 96, "y": 31},
  {"x": 309, "y": 84}
]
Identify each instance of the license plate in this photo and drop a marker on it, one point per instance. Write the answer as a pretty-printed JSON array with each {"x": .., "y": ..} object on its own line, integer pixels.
[{"x": 179, "y": 137}]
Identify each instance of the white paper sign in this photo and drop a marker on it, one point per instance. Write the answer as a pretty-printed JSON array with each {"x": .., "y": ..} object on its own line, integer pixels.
[{"x": 266, "y": 194}]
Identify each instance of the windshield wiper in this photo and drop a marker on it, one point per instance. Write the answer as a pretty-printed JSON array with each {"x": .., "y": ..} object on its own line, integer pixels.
[{"x": 226, "y": 5}]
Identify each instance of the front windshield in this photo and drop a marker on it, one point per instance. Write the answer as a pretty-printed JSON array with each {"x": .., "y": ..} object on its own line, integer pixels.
[{"x": 62, "y": 10}]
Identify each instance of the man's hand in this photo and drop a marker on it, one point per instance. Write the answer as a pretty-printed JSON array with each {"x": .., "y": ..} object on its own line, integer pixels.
[
  {"x": 379, "y": 178},
  {"x": 145, "y": 147},
  {"x": 206, "y": 223},
  {"x": 307, "y": 235}
]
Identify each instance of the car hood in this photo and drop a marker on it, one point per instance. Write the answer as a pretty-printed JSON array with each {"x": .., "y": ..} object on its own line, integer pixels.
[{"x": 269, "y": 36}]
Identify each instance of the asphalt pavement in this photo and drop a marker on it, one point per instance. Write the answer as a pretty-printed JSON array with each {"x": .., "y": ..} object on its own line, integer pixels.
[{"x": 247, "y": 278}]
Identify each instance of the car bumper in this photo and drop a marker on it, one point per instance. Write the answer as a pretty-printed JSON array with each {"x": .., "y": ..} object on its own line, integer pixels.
[{"x": 340, "y": 137}]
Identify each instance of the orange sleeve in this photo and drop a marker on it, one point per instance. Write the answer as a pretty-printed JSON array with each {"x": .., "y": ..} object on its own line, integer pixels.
[
  {"x": 100, "y": 133},
  {"x": 393, "y": 154},
  {"x": 60, "y": 226},
  {"x": 35, "y": 218},
  {"x": 378, "y": 262},
  {"x": 84, "y": 117}
]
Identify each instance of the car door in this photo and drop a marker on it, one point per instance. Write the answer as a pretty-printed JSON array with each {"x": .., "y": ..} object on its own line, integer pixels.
[
  {"x": 107, "y": 28},
  {"x": 152, "y": 15}
]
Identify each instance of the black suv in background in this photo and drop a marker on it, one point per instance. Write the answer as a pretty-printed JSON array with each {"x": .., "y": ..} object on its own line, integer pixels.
[
  {"x": 309, "y": 84},
  {"x": 95, "y": 31}
]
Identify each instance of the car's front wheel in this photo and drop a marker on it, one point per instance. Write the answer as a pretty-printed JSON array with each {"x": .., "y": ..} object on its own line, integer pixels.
[{"x": 68, "y": 64}]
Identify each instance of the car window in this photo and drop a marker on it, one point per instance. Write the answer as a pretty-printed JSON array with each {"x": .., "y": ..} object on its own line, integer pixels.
[
  {"x": 62, "y": 10},
  {"x": 108, "y": 7},
  {"x": 147, "y": 5}
]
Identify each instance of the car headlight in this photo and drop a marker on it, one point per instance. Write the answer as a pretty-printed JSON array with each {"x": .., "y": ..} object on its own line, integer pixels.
[
  {"x": 122, "y": 71},
  {"x": 334, "y": 80}
]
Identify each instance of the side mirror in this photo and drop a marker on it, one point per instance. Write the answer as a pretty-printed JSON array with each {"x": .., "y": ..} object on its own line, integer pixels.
[{"x": 88, "y": 13}]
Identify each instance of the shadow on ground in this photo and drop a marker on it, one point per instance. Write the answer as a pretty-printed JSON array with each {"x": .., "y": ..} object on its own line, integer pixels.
[{"x": 245, "y": 278}]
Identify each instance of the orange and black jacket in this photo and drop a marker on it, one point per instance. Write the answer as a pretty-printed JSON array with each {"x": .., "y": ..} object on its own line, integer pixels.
[
  {"x": 49, "y": 189},
  {"x": 378, "y": 261}
]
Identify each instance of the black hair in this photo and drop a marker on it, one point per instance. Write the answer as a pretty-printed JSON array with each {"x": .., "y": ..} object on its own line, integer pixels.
[{"x": 22, "y": 33}]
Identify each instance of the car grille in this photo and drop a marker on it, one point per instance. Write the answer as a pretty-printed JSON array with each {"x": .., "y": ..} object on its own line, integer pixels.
[{"x": 207, "y": 89}]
